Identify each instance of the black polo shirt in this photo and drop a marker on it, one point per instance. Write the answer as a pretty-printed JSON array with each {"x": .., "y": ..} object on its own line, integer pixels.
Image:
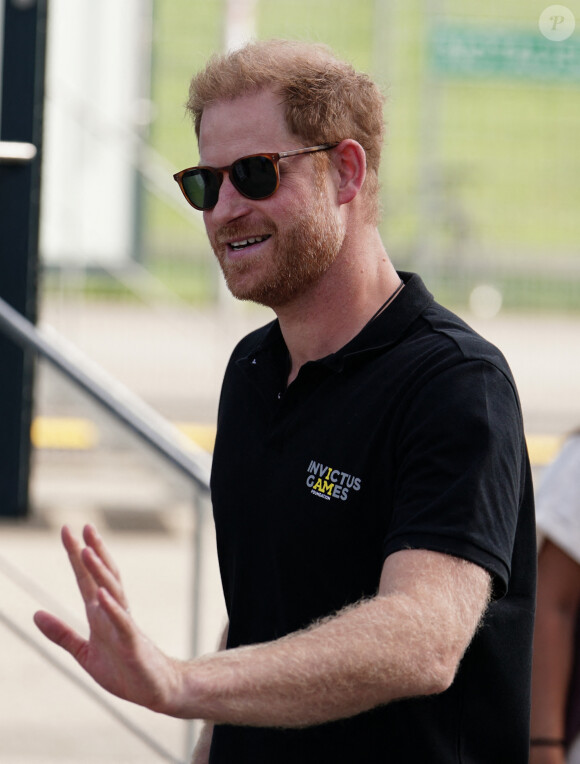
[{"x": 410, "y": 436}]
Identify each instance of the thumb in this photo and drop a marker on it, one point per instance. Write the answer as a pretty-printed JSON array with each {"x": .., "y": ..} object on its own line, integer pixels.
[{"x": 59, "y": 633}]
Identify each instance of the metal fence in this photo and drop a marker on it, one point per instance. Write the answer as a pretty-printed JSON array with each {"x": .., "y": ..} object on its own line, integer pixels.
[
  {"x": 173, "y": 459},
  {"x": 480, "y": 162}
]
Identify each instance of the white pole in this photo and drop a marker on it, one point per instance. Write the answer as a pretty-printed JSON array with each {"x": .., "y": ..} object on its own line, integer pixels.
[
  {"x": 239, "y": 28},
  {"x": 239, "y": 23}
]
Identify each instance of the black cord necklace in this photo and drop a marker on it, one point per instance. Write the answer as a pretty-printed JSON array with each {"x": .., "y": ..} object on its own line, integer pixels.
[{"x": 386, "y": 303}]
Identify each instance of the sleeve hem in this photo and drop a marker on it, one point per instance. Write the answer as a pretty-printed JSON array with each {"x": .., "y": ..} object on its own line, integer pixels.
[{"x": 455, "y": 547}]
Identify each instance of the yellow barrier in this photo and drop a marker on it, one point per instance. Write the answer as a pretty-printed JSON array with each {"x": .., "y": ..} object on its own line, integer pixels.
[
  {"x": 73, "y": 434},
  {"x": 64, "y": 433}
]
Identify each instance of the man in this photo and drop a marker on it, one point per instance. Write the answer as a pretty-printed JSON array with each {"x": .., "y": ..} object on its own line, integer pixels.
[{"x": 371, "y": 487}]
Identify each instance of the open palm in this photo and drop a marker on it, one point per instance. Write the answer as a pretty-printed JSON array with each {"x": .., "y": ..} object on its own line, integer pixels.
[{"x": 117, "y": 654}]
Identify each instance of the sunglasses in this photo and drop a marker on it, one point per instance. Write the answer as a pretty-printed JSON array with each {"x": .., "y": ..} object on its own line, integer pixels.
[{"x": 255, "y": 177}]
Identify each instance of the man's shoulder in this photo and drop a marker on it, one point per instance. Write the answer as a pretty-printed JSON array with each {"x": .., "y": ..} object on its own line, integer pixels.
[
  {"x": 421, "y": 324},
  {"x": 455, "y": 331}
]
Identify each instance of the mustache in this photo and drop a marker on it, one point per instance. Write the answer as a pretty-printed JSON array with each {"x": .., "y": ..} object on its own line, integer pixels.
[{"x": 237, "y": 231}]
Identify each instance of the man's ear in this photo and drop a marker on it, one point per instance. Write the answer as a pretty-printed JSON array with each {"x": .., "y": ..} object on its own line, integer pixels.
[{"x": 350, "y": 162}]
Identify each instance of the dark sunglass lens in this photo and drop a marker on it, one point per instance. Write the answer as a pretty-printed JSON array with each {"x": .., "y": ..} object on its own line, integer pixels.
[
  {"x": 202, "y": 188},
  {"x": 254, "y": 177}
]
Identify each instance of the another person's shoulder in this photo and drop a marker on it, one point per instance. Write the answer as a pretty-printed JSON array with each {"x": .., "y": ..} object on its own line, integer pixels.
[{"x": 558, "y": 499}]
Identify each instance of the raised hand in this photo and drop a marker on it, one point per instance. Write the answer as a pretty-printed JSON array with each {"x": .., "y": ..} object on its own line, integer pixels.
[{"x": 117, "y": 654}]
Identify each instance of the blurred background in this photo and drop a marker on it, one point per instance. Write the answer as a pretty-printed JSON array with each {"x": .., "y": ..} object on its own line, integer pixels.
[{"x": 109, "y": 386}]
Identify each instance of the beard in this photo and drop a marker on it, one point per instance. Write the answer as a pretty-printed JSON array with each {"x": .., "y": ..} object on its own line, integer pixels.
[{"x": 303, "y": 253}]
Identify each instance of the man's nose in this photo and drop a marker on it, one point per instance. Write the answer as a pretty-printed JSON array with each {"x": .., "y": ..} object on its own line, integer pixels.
[{"x": 231, "y": 203}]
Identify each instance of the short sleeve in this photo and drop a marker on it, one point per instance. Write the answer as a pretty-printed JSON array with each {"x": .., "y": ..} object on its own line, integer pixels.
[{"x": 459, "y": 472}]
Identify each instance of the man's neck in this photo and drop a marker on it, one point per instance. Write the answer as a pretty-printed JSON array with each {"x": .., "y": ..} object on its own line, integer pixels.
[{"x": 329, "y": 315}]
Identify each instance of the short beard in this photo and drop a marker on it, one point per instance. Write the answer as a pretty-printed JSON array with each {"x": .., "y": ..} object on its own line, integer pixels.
[{"x": 304, "y": 254}]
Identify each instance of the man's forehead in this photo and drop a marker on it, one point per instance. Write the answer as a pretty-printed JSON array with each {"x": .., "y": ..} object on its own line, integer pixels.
[{"x": 249, "y": 117}]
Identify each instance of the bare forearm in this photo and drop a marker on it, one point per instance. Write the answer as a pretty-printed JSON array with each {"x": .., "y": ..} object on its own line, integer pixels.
[
  {"x": 406, "y": 641},
  {"x": 203, "y": 745},
  {"x": 557, "y": 606},
  {"x": 366, "y": 656},
  {"x": 553, "y": 641}
]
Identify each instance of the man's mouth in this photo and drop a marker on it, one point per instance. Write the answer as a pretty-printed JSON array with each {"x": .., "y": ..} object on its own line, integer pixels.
[{"x": 243, "y": 243}]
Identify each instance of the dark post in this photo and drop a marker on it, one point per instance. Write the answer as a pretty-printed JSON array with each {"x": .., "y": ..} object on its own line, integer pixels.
[{"x": 21, "y": 109}]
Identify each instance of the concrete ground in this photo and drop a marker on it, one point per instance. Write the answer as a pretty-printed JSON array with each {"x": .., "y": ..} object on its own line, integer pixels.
[
  {"x": 45, "y": 716},
  {"x": 172, "y": 359}
]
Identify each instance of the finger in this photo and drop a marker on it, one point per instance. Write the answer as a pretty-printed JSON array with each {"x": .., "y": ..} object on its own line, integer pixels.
[
  {"x": 94, "y": 540},
  {"x": 118, "y": 615},
  {"x": 86, "y": 584},
  {"x": 60, "y": 633},
  {"x": 103, "y": 577}
]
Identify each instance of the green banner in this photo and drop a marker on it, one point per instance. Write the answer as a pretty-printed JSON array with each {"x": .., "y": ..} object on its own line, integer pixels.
[{"x": 463, "y": 51}]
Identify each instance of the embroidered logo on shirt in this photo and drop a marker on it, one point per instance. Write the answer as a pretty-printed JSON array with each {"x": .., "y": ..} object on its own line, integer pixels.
[{"x": 330, "y": 483}]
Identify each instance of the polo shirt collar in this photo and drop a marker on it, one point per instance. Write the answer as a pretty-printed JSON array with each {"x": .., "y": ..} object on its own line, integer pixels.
[
  {"x": 384, "y": 330},
  {"x": 393, "y": 322}
]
